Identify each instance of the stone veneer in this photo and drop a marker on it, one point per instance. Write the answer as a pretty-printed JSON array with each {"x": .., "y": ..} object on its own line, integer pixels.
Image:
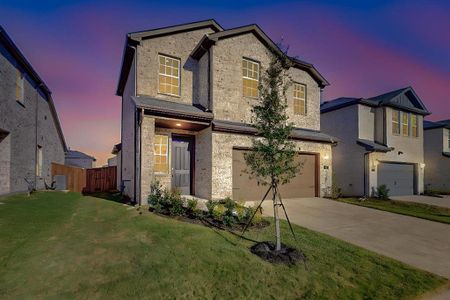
[
  {"x": 227, "y": 83},
  {"x": 222, "y": 150}
]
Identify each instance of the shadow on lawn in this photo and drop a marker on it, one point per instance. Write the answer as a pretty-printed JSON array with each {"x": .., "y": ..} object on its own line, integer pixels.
[{"x": 114, "y": 196}]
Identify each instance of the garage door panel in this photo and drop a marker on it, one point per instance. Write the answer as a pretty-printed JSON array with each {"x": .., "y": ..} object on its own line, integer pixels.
[
  {"x": 399, "y": 178},
  {"x": 247, "y": 188}
]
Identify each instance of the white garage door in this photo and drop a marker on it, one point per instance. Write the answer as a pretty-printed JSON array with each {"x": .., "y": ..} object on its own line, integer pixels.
[{"x": 399, "y": 178}]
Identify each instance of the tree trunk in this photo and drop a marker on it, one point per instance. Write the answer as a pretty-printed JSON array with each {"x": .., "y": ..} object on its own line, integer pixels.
[{"x": 277, "y": 219}]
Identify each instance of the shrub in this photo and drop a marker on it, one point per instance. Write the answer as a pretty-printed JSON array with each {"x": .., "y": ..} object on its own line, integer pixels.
[
  {"x": 218, "y": 212},
  {"x": 157, "y": 197},
  {"x": 210, "y": 205},
  {"x": 249, "y": 211},
  {"x": 191, "y": 206},
  {"x": 383, "y": 192},
  {"x": 228, "y": 216},
  {"x": 240, "y": 213},
  {"x": 176, "y": 207}
]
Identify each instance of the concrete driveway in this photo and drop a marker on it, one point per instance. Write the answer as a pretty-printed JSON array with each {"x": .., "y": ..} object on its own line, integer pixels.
[
  {"x": 443, "y": 202},
  {"x": 417, "y": 242}
]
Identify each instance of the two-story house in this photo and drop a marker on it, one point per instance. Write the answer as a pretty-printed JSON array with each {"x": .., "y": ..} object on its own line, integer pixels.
[
  {"x": 187, "y": 93},
  {"x": 79, "y": 159},
  {"x": 30, "y": 134},
  {"x": 380, "y": 142},
  {"x": 437, "y": 155}
]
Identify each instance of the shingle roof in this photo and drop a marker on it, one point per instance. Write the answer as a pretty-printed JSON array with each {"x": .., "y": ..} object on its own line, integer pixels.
[
  {"x": 208, "y": 40},
  {"x": 172, "y": 109},
  {"x": 74, "y": 154},
  {"x": 386, "y": 99},
  {"x": 436, "y": 124},
  {"x": 297, "y": 133},
  {"x": 373, "y": 146}
]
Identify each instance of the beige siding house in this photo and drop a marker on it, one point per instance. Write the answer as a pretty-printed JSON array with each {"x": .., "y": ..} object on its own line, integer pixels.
[
  {"x": 437, "y": 155},
  {"x": 187, "y": 93},
  {"x": 31, "y": 138},
  {"x": 380, "y": 142}
]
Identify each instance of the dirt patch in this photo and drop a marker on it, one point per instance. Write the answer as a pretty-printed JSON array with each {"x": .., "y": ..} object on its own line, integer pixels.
[{"x": 287, "y": 255}]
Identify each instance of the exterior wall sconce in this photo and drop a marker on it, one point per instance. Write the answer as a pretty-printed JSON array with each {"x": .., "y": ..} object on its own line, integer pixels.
[
  {"x": 422, "y": 165},
  {"x": 326, "y": 157}
]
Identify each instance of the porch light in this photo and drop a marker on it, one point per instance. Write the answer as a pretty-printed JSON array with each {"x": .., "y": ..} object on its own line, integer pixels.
[
  {"x": 178, "y": 124},
  {"x": 422, "y": 165},
  {"x": 326, "y": 157}
]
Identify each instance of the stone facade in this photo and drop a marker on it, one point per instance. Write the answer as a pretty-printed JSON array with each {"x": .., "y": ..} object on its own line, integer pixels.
[
  {"x": 214, "y": 81},
  {"x": 228, "y": 103},
  {"x": 26, "y": 126},
  {"x": 222, "y": 149}
]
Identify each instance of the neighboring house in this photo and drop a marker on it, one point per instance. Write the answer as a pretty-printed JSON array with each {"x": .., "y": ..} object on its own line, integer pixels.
[
  {"x": 30, "y": 134},
  {"x": 187, "y": 93},
  {"x": 112, "y": 162},
  {"x": 79, "y": 159},
  {"x": 437, "y": 155},
  {"x": 380, "y": 142}
]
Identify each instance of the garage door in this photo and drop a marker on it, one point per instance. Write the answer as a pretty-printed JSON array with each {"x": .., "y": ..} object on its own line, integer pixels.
[
  {"x": 399, "y": 178},
  {"x": 247, "y": 189}
]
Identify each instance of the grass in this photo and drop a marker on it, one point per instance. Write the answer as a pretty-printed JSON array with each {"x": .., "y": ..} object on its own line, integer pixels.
[
  {"x": 419, "y": 210},
  {"x": 55, "y": 245}
]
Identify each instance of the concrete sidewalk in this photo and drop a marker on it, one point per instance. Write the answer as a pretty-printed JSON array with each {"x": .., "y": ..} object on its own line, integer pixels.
[
  {"x": 419, "y": 243},
  {"x": 443, "y": 202}
]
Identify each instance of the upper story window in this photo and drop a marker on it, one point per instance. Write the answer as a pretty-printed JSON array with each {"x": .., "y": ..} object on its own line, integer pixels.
[
  {"x": 299, "y": 99},
  {"x": 169, "y": 75},
  {"x": 395, "y": 121},
  {"x": 448, "y": 138},
  {"x": 405, "y": 124},
  {"x": 414, "y": 126},
  {"x": 250, "y": 78},
  {"x": 161, "y": 154},
  {"x": 19, "y": 86}
]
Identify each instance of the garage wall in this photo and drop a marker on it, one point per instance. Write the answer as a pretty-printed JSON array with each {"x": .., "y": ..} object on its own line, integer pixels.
[
  {"x": 348, "y": 157},
  {"x": 222, "y": 161},
  {"x": 437, "y": 166}
]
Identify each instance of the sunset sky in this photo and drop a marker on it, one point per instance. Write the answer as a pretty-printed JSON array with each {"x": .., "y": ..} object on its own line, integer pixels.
[{"x": 363, "y": 48}]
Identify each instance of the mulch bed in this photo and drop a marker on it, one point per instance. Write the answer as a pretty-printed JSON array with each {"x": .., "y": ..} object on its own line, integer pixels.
[{"x": 286, "y": 255}]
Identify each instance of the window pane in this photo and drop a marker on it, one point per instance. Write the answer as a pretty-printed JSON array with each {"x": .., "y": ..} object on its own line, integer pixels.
[
  {"x": 250, "y": 78},
  {"x": 169, "y": 75}
]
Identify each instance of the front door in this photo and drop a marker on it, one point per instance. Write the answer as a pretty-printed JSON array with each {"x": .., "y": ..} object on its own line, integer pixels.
[{"x": 182, "y": 155}]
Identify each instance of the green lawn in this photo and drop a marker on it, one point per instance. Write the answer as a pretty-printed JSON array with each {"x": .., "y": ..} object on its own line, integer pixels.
[
  {"x": 55, "y": 245},
  {"x": 419, "y": 210}
]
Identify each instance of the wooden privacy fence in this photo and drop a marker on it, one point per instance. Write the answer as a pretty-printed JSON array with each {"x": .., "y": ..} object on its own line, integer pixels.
[
  {"x": 75, "y": 177},
  {"x": 101, "y": 179}
]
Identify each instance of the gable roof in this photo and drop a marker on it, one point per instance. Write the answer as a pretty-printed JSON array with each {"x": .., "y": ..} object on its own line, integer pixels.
[
  {"x": 209, "y": 40},
  {"x": 74, "y": 154},
  {"x": 405, "y": 99},
  {"x": 436, "y": 124},
  {"x": 134, "y": 38},
  {"x": 26, "y": 66}
]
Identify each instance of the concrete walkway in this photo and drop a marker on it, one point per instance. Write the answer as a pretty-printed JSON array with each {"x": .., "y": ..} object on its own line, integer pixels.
[
  {"x": 443, "y": 202},
  {"x": 419, "y": 243}
]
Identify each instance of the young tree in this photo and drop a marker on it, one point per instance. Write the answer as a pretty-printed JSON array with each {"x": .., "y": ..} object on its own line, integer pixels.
[{"x": 271, "y": 160}]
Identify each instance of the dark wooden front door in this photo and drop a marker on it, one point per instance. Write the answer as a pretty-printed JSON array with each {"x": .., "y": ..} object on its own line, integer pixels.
[{"x": 182, "y": 154}]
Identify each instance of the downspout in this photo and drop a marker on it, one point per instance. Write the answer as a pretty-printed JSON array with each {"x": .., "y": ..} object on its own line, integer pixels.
[
  {"x": 209, "y": 108},
  {"x": 141, "y": 116},
  {"x": 36, "y": 133},
  {"x": 135, "y": 128}
]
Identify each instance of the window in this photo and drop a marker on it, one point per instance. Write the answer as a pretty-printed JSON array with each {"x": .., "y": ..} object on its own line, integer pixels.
[
  {"x": 161, "y": 157},
  {"x": 169, "y": 75},
  {"x": 448, "y": 136},
  {"x": 19, "y": 86},
  {"x": 395, "y": 122},
  {"x": 414, "y": 129},
  {"x": 299, "y": 99},
  {"x": 39, "y": 161},
  {"x": 405, "y": 124},
  {"x": 250, "y": 78}
]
